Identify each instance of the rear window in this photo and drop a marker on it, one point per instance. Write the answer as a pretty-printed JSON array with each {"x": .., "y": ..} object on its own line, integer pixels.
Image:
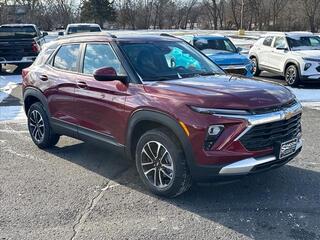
[
  {"x": 80, "y": 29},
  {"x": 67, "y": 57},
  {"x": 18, "y": 31},
  {"x": 268, "y": 41}
]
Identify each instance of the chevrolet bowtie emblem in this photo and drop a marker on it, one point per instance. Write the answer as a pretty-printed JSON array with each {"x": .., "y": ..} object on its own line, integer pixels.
[{"x": 288, "y": 115}]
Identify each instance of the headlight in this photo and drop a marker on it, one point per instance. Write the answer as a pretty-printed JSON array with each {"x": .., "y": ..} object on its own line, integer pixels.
[
  {"x": 311, "y": 59},
  {"x": 219, "y": 111}
]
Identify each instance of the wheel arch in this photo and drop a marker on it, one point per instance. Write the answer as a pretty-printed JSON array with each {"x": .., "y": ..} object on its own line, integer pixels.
[
  {"x": 291, "y": 62},
  {"x": 32, "y": 95},
  {"x": 144, "y": 120}
]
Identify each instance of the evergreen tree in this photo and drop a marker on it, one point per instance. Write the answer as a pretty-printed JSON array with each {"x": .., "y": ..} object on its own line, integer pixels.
[{"x": 98, "y": 11}]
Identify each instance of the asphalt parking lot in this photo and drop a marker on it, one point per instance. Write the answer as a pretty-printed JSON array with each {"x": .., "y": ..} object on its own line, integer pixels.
[{"x": 81, "y": 191}]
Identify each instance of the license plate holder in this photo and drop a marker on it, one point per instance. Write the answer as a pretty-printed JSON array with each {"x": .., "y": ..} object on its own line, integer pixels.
[{"x": 287, "y": 148}]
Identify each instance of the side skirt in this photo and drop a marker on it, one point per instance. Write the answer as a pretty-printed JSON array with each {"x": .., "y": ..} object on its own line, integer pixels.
[{"x": 85, "y": 134}]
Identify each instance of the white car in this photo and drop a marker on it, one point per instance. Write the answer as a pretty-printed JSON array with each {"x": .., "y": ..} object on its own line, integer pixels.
[
  {"x": 81, "y": 27},
  {"x": 294, "y": 55}
]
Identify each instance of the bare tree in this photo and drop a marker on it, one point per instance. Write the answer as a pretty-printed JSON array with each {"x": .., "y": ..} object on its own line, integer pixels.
[{"x": 311, "y": 9}]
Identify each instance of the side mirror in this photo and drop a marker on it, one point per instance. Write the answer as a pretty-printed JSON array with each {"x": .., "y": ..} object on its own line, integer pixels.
[
  {"x": 44, "y": 34},
  {"x": 239, "y": 49},
  {"x": 61, "y": 33},
  {"x": 108, "y": 74}
]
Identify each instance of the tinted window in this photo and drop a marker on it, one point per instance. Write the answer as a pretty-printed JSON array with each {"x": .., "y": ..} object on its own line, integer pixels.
[
  {"x": 280, "y": 42},
  {"x": 215, "y": 44},
  {"x": 167, "y": 60},
  {"x": 268, "y": 41},
  {"x": 304, "y": 42},
  {"x": 80, "y": 29},
  {"x": 18, "y": 31},
  {"x": 101, "y": 55},
  {"x": 67, "y": 57}
]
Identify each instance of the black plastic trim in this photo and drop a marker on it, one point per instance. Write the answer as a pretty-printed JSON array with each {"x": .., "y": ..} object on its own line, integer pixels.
[
  {"x": 34, "y": 92},
  {"x": 165, "y": 120}
]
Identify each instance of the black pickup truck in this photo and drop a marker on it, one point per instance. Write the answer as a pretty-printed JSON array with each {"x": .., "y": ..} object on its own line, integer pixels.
[{"x": 20, "y": 44}]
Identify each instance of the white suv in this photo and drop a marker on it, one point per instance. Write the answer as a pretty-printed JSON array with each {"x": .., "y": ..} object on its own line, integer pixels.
[{"x": 294, "y": 55}]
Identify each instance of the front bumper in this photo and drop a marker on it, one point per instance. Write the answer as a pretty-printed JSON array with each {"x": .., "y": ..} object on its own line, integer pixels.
[
  {"x": 245, "y": 70},
  {"x": 235, "y": 160},
  {"x": 250, "y": 164}
]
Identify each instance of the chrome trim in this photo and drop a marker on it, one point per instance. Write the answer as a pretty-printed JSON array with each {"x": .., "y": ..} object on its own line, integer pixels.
[
  {"x": 231, "y": 67},
  {"x": 246, "y": 165},
  {"x": 259, "y": 119}
]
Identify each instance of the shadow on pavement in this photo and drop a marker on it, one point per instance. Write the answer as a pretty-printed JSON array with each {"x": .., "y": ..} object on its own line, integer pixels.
[{"x": 277, "y": 203}]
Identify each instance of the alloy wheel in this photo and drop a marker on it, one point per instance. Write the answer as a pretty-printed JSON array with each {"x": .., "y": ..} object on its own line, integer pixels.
[
  {"x": 36, "y": 125},
  {"x": 291, "y": 75},
  {"x": 157, "y": 164}
]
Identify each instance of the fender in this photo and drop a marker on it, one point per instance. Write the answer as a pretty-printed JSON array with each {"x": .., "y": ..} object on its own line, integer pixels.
[
  {"x": 291, "y": 61},
  {"x": 34, "y": 92},
  {"x": 165, "y": 120},
  {"x": 254, "y": 55}
]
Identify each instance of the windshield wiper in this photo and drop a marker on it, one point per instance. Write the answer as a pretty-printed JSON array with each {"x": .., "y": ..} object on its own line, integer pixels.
[{"x": 207, "y": 74}]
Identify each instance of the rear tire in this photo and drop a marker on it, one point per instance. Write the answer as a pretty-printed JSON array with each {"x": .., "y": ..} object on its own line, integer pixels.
[
  {"x": 161, "y": 163},
  {"x": 39, "y": 127},
  {"x": 256, "y": 71},
  {"x": 292, "y": 76}
]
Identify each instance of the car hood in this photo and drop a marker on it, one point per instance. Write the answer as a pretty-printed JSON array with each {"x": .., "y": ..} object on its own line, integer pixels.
[
  {"x": 224, "y": 91},
  {"x": 307, "y": 53},
  {"x": 226, "y": 58}
]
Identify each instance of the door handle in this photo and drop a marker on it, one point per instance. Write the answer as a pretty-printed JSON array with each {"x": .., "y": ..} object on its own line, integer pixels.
[
  {"x": 82, "y": 84},
  {"x": 44, "y": 77}
]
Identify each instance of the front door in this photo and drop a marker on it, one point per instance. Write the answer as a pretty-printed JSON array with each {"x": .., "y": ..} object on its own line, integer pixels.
[{"x": 100, "y": 103}]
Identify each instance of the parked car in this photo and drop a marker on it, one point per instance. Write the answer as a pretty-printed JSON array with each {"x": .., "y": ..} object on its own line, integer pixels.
[
  {"x": 79, "y": 28},
  {"x": 294, "y": 55},
  {"x": 20, "y": 43},
  {"x": 178, "y": 121},
  {"x": 223, "y": 52}
]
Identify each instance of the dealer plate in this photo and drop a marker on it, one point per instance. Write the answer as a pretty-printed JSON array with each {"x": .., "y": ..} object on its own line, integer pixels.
[{"x": 288, "y": 148}]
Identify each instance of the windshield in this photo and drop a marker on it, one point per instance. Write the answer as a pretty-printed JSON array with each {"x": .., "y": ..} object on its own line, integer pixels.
[
  {"x": 17, "y": 31},
  {"x": 304, "y": 43},
  {"x": 79, "y": 29},
  {"x": 167, "y": 60},
  {"x": 217, "y": 45}
]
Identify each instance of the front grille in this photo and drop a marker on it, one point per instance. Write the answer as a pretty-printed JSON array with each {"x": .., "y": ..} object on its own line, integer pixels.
[
  {"x": 240, "y": 71},
  {"x": 274, "y": 108},
  {"x": 265, "y": 136}
]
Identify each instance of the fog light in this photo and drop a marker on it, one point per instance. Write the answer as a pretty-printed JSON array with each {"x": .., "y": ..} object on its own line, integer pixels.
[
  {"x": 307, "y": 66},
  {"x": 213, "y": 133},
  {"x": 215, "y": 130}
]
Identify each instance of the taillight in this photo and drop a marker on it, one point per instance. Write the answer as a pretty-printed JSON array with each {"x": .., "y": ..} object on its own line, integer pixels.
[{"x": 35, "y": 47}]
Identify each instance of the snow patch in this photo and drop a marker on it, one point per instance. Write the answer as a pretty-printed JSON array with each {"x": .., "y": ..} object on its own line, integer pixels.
[
  {"x": 7, "y": 84},
  {"x": 306, "y": 95}
]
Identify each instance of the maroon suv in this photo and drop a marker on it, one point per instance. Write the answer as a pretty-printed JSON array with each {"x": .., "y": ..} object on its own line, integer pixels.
[{"x": 164, "y": 104}]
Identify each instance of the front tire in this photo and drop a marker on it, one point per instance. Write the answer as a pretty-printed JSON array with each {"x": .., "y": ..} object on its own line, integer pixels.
[
  {"x": 161, "y": 163},
  {"x": 292, "y": 76},
  {"x": 39, "y": 127}
]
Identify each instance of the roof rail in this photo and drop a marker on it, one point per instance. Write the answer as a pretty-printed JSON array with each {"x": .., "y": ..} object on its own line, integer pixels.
[
  {"x": 167, "y": 35},
  {"x": 88, "y": 34}
]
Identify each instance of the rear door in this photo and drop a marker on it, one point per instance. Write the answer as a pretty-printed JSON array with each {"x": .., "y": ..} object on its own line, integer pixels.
[
  {"x": 100, "y": 104},
  {"x": 62, "y": 79},
  {"x": 265, "y": 51}
]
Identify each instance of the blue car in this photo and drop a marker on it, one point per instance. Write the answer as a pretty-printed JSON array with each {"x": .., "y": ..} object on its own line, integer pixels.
[{"x": 223, "y": 52}]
